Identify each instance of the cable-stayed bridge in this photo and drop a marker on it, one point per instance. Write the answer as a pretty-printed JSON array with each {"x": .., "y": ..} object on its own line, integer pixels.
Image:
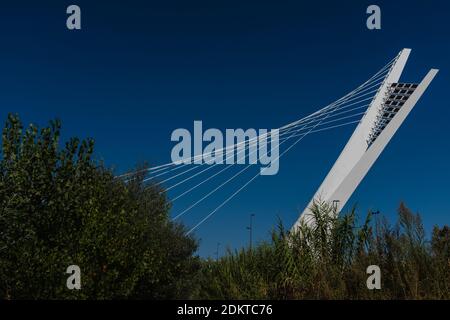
[{"x": 376, "y": 108}]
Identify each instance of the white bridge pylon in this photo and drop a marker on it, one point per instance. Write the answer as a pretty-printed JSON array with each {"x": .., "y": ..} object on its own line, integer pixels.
[{"x": 385, "y": 114}]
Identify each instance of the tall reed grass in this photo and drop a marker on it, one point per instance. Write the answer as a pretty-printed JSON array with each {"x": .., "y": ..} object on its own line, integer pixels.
[{"x": 329, "y": 261}]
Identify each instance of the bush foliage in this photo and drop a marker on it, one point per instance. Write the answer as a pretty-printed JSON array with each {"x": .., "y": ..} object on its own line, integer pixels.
[{"x": 58, "y": 207}]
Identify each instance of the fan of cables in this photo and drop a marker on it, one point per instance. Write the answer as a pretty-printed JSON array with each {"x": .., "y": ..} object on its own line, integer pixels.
[{"x": 173, "y": 176}]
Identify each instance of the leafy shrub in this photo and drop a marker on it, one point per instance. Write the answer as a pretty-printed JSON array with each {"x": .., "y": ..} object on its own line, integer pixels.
[{"x": 59, "y": 207}]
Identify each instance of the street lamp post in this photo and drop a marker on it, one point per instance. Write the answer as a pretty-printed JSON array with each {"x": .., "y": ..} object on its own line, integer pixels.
[{"x": 250, "y": 228}]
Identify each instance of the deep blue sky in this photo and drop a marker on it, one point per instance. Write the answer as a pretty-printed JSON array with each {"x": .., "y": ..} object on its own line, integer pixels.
[{"x": 140, "y": 69}]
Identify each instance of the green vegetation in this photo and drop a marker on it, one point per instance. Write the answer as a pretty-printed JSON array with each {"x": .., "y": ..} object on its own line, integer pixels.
[
  {"x": 329, "y": 261},
  {"x": 58, "y": 207}
]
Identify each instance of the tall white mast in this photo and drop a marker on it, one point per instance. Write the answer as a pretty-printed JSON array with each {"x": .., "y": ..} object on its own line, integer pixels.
[{"x": 387, "y": 111}]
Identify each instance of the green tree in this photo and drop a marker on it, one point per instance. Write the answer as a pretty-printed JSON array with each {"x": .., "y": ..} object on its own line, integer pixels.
[{"x": 60, "y": 207}]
